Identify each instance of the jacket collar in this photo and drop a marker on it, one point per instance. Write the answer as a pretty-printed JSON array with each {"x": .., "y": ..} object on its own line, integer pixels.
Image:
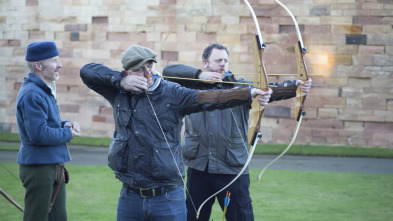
[
  {"x": 39, "y": 82},
  {"x": 154, "y": 95}
]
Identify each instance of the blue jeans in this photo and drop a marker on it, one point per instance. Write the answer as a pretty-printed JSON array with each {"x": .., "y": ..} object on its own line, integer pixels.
[{"x": 169, "y": 207}]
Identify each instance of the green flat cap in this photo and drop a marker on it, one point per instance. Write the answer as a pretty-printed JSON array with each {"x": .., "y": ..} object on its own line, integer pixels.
[{"x": 135, "y": 56}]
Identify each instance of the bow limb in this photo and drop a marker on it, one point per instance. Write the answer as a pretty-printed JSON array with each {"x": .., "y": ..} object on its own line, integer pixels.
[
  {"x": 260, "y": 81},
  {"x": 299, "y": 36},
  {"x": 302, "y": 74}
]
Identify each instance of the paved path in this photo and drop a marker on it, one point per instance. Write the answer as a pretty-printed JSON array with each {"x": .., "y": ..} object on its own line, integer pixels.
[{"x": 82, "y": 155}]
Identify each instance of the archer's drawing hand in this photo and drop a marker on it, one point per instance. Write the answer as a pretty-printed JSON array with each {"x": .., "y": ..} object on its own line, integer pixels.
[
  {"x": 134, "y": 83},
  {"x": 263, "y": 96},
  {"x": 212, "y": 76},
  {"x": 305, "y": 86}
]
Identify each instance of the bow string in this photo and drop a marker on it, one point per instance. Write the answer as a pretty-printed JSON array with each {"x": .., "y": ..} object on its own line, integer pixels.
[{"x": 155, "y": 75}]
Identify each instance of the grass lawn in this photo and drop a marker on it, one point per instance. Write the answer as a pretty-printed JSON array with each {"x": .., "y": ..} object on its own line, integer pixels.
[
  {"x": 306, "y": 150},
  {"x": 93, "y": 191}
]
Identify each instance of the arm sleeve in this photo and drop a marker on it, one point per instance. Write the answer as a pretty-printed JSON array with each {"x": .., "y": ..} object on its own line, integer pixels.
[
  {"x": 64, "y": 122},
  {"x": 39, "y": 130},
  {"x": 208, "y": 100},
  {"x": 101, "y": 79},
  {"x": 184, "y": 71},
  {"x": 283, "y": 91}
]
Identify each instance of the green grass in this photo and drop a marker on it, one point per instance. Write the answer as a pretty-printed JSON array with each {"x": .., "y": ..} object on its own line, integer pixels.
[
  {"x": 11, "y": 147},
  {"x": 9, "y": 137},
  {"x": 306, "y": 150},
  {"x": 91, "y": 141},
  {"x": 88, "y": 141},
  {"x": 93, "y": 192},
  {"x": 324, "y": 150}
]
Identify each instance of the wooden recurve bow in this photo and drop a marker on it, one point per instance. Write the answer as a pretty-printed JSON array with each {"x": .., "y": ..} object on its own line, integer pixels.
[{"x": 302, "y": 74}]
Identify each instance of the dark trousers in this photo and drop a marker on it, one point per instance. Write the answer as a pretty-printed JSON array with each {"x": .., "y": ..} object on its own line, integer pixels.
[
  {"x": 202, "y": 185},
  {"x": 41, "y": 182}
]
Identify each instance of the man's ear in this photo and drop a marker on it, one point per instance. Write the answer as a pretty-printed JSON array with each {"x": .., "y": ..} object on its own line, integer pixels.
[
  {"x": 204, "y": 63},
  {"x": 38, "y": 66}
]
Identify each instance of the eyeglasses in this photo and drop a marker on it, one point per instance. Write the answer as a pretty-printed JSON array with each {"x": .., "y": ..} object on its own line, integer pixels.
[{"x": 144, "y": 68}]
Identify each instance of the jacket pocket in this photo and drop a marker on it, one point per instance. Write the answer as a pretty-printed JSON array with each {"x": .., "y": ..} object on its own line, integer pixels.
[
  {"x": 167, "y": 115},
  {"x": 123, "y": 116},
  {"x": 236, "y": 155},
  {"x": 190, "y": 146},
  {"x": 164, "y": 166},
  {"x": 118, "y": 154}
]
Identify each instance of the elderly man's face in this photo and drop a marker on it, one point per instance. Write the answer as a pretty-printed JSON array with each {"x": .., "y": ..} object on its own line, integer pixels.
[{"x": 50, "y": 69}]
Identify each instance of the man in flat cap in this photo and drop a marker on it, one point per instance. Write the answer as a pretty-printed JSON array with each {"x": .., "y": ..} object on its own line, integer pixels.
[
  {"x": 145, "y": 152},
  {"x": 43, "y": 136}
]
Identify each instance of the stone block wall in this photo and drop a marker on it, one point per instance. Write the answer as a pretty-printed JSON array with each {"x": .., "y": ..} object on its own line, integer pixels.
[{"x": 349, "y": 41}]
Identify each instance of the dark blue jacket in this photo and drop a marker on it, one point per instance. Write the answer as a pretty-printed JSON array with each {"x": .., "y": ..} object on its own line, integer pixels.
[
  {"x": 139, "y": 153},
  {"x": 43, "y": 138}
]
